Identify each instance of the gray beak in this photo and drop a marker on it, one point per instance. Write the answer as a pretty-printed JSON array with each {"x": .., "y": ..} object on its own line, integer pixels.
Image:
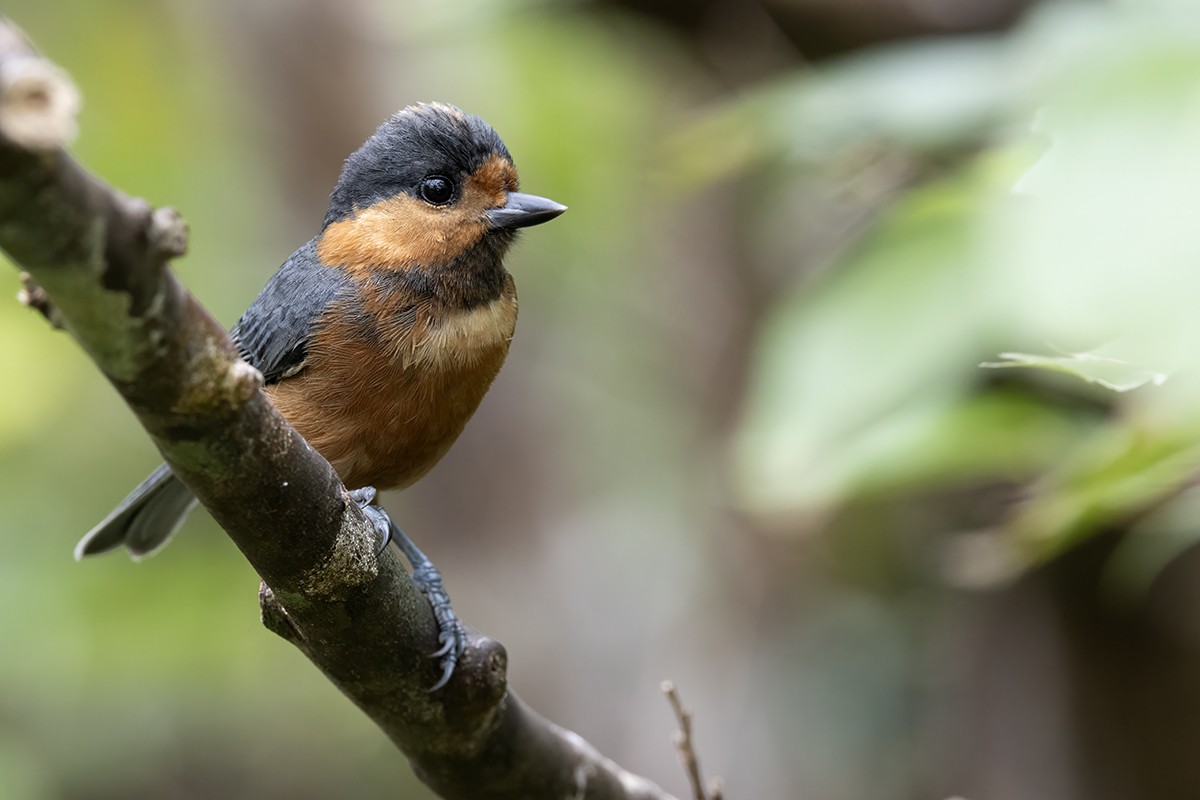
[{"x": 523, "y": 210}]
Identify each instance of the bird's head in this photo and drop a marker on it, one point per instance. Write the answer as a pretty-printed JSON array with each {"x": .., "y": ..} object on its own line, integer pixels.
[{"x": 430, "y": 186}]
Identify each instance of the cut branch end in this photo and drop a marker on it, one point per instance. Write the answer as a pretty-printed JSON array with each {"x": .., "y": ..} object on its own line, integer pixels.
[{"x": 38, "y": 103}]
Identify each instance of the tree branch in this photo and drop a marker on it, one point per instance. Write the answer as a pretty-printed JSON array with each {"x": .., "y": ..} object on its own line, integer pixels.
[{"x": 98, "y": 266}]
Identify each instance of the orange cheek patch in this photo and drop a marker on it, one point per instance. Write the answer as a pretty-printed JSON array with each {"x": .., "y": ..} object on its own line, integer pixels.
[{"x": 399, "y": 233}]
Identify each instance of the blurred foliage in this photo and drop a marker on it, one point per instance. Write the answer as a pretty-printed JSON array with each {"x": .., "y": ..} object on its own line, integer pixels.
[
  {"x": 744, "y": 436},
  {"x": 866, "y": 376}
]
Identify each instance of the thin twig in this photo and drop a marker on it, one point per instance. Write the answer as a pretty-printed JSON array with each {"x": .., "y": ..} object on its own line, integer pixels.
[
  {"x": 33, "y": 296},
  {"x": 687, "y": 749}
]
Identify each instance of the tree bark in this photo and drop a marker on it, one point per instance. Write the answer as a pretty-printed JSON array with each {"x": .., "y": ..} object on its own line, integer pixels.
[{"x": 97, "y": 266}]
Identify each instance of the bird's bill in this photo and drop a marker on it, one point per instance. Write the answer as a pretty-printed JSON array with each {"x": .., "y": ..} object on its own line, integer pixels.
[{"x": 523, "y": 210}]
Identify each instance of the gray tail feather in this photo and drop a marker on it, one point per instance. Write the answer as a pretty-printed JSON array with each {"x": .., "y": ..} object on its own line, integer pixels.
[{"x": 144, "y": 520}]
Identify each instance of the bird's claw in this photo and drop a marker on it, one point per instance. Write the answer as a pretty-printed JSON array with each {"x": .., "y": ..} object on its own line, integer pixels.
[
  {"x": 450, "y": 630},
  {"x": 448, "y": 641},
  {"x": 449, "y": 653}
]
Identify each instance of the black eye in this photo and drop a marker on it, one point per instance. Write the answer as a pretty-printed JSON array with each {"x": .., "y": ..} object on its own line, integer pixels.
[{"x": 436, "y": 190}]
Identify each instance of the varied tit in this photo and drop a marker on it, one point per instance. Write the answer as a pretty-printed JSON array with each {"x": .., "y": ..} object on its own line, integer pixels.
[{"x": 379, "y": 337}]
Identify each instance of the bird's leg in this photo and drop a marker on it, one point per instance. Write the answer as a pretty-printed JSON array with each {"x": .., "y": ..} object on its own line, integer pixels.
[{"x": 426, "y": 578}]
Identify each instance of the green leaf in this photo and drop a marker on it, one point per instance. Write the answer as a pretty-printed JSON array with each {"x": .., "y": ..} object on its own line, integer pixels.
[{"x": 1111, "y": 373}]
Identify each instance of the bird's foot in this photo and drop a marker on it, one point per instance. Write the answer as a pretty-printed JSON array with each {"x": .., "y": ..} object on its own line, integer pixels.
[
  {"x": 380, "y": 521},
  {"x": 450, "y": 630},
  {"x": 425, "y": 576}
]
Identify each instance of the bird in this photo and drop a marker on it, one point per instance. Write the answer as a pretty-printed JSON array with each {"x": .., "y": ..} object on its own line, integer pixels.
[{"x": 379, "y": 337}]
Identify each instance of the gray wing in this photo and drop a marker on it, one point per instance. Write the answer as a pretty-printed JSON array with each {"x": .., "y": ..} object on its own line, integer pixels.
[{"x": 274, "y": 333}]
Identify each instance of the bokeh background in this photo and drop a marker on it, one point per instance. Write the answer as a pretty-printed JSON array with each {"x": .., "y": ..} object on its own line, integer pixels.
[{"x": 744, "y": 439}]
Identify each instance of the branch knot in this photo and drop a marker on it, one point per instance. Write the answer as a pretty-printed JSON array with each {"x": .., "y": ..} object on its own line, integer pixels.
[{"x": 168, "y": 233}]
